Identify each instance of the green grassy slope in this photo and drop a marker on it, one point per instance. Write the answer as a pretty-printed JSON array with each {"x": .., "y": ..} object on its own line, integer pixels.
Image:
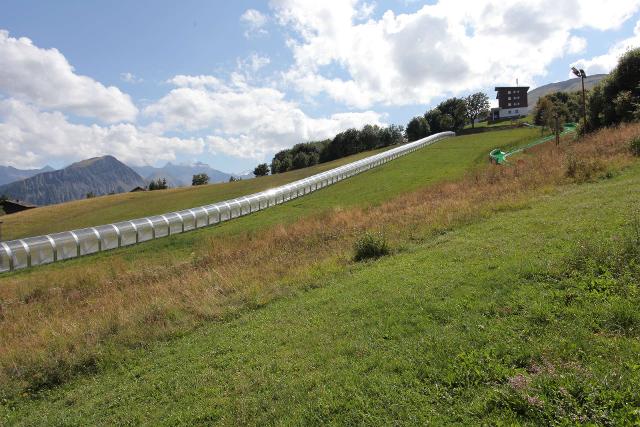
[
  {"x": 118, "y": 207},
  {"x": 464, "y": 327},
  {"x": 445, "y": 159},
  {"x": 501, "y": 123}
]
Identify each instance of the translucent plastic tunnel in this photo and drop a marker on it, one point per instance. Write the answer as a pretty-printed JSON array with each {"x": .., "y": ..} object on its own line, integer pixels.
[{"x": 33, "y": 251}]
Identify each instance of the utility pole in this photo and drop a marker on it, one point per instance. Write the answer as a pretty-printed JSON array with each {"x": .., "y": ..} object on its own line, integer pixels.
[
  {"x": 580, "y": 73},
  {"x": 557, "y": 117}
]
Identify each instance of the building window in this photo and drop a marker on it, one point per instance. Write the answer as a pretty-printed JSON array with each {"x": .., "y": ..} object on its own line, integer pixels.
[{"x": 509, "y": 111}]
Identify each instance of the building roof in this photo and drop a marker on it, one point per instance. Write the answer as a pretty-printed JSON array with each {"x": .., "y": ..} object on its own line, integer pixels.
[
  {"x": 18, "y": 203},
  {"x": 499, "y": 88}
]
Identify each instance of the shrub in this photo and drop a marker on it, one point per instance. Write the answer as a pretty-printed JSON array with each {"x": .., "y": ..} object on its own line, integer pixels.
[
  {"x": 200, "y": 179},
  {"x": 635, "y": 146},
  {"x": 581, "y": 130},
  {"x": 158, "y": 184},
  {"x": 370, "y": 245},
  {"x": 261, "y": 170},
  {"x": 583, "y": 170}
]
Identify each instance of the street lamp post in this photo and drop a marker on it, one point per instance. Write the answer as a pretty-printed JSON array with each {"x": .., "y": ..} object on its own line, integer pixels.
[{"x": 580, "y": 73}]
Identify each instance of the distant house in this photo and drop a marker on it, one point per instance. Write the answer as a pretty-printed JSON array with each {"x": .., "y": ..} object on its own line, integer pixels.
[
  {"x": 137, "y": 189},
  {"x": 13, "y": 206},
  {"x": 512, "y": 103}
]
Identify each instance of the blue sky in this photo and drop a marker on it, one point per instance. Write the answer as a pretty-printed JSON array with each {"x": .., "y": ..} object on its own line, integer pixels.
[{"x": 230, "y": 83}]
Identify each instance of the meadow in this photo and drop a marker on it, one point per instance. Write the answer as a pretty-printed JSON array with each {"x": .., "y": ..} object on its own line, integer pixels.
[
  {"x": 443, "y": 162},
  {"x": 119, "y": 207},
  {"x": 480, "y": 313}
]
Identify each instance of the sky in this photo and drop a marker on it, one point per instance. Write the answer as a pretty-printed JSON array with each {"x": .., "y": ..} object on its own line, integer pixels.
[{"x": 230, "y": 83}]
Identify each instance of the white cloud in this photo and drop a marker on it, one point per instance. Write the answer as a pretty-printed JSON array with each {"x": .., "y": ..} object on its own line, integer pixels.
[
  {"x": 245, "y": 121},
  {"x": 195, "y": 81},
  {"x": 230, "y": 117},
  {"x": 300, "y": 128},
  {"x": 254, "y": 62},
  {"x": 609, "y": 15},
  {"x": 130, "y": 78},
  {"x": 31, "y": 138},
  {"x": 255, "y": 21},
  {"x": 45, "y": 78},
  {"x": 339, "y": 49},
  {"x": 445, "y": 48},
  {"x": 605, "y": 63},
  {"x": 577, "y": 44},
  {"x": 365, "y": 10}
]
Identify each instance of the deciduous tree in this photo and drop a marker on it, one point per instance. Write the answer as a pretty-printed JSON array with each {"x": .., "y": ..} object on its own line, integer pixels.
[
  {"x": 417, "y": 128},
  {"x": 200, "y": 179},
  {"x": 477, "y": 106},
  {"x": 261, "y": 170}
]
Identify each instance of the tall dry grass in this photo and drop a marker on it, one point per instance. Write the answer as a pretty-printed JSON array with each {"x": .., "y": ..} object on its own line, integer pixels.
[{"x": 60, "y": 322}]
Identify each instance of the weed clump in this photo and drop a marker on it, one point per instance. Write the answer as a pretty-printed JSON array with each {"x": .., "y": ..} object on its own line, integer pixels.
[
  {"x": 634, "y": 146},
  {"x": 617, "y": 259},
  {"x": 370, "y": 245},
  {"x": 585, "y": 170}
]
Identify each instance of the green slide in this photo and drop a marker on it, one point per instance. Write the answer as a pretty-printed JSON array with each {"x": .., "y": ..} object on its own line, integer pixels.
[{"x": 499, "y": 157}]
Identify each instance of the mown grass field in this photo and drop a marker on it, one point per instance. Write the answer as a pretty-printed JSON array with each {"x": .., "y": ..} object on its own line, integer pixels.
[
  {"x": 505, "y": 122},
  {"x": 119, "y": 207},
  {"x": 480, "y": 315},
  {"x": 445, "y": 159}
]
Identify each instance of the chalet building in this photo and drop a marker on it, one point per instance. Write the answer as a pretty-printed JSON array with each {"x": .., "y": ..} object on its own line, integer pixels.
[
  {"x": 512, "y": 103},
  {"x": 13, "y": 206}
]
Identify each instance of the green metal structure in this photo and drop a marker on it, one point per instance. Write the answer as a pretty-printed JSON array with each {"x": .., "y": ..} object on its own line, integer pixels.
[{"x": 499, "y": 157}]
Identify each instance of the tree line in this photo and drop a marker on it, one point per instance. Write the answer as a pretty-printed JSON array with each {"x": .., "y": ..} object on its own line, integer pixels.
[
  {"x": 344, "y": 144},
  {"x": 566, "y": 106},
  {"x": 161, "y": 183},
  {"x": 450, "y": 115},
  {"x": 615, "y": 99}
]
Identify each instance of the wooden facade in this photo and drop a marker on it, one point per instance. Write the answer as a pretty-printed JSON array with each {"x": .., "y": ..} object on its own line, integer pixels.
[{"x": 512, "y": 97}]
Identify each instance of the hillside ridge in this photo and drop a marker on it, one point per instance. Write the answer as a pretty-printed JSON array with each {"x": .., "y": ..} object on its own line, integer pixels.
[
  {"x": 97, "y": 175},
  {"x": 10, "y": 174},
  {"x": 571, "y": 85}
]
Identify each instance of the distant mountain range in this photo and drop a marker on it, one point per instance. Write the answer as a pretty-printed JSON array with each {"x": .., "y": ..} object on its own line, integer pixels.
[
  {"x": 571, "y": 85},
  {"x": 10, "y": 174},
  {"x": 99, "y": 175},
  {"x": 181, "y": 175}
]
